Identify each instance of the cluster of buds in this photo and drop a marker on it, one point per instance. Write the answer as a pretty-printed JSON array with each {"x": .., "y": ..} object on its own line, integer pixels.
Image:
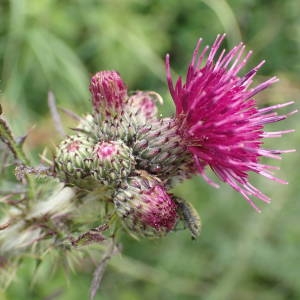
[{"x": 123, "y": 145}]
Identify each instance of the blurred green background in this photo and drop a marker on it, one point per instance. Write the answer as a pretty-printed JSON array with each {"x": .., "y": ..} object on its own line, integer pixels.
[{"x": 58, "y": 44}]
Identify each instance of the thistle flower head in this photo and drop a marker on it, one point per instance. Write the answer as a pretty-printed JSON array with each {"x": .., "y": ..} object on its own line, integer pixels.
[
  {"x": 108, "y": 91},
  {"x": 145, "y": 207},
  {"x": 219, "y": 120}
]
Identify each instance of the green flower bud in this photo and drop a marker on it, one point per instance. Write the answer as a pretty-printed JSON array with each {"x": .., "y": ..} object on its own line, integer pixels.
[
  {"x": 112, "y": 162},
  {"x": 119, "y": 127},
  {"x": 74, "y": 158},
  {"x": 145, "y": 207},
  {"x": 106, "y": 125},
  {"x": 107, "y": 128},
  {"x": 159, "y": 150}
]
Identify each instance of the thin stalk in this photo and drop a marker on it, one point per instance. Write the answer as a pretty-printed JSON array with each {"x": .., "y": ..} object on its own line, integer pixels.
[{"x": 18, "y": 153}]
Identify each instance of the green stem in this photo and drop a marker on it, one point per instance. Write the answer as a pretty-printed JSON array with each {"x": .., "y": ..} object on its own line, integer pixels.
[{"x": 7, "y": 137}]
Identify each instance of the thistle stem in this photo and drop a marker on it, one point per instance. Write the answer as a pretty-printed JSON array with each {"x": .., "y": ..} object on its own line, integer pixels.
[{"x": 7, "y": 137}]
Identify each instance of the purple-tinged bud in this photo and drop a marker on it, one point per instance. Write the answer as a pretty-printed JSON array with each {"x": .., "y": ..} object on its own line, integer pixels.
[
  {"x": 112, "y": 162},
  {"x": 142, "y": 106},
  {"x": 145, "y": 207},
  {"x": 108, "y": 91}
]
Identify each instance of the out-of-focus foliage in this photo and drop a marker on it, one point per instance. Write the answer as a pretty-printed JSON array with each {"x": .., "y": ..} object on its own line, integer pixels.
[{"x": 57, "y": 44}]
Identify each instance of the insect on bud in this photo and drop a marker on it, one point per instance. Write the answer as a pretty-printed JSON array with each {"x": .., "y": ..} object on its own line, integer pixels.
[{"x": 190, "y": 216}]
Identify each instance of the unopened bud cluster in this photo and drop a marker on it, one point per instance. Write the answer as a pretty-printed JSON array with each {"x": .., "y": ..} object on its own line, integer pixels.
[
  {"x": 123, "y": 145},
  {"x": 139, "y": 156}
]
